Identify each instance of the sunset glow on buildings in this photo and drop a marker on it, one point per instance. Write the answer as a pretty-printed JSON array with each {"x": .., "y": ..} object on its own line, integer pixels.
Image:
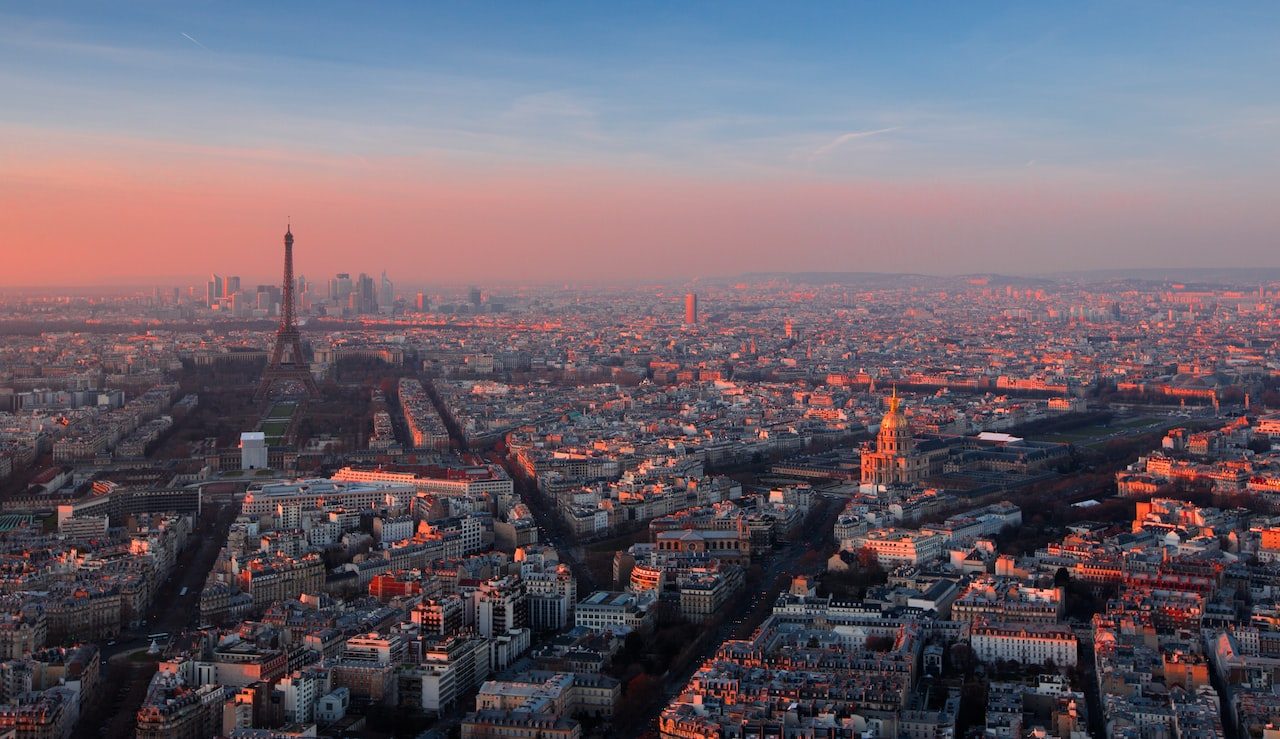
[{"x": 841, "y": 370}]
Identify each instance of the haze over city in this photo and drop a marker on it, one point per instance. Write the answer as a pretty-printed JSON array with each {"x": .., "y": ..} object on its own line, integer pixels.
[
  {"x": 639, "y": 371},
  {"x": 558, "y": 141}
]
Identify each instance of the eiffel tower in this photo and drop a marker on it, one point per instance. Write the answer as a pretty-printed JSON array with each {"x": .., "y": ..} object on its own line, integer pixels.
[{"x": 287, "y": 366}]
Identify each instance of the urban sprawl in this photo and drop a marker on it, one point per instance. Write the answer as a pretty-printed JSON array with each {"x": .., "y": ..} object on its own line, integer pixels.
[{"x": 838, "y": 506}]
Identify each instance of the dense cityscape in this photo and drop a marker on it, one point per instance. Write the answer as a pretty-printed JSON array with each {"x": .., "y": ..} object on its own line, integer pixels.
[
  {"x": 780, "y": 505},
  {"x": 640, "y": 370}
]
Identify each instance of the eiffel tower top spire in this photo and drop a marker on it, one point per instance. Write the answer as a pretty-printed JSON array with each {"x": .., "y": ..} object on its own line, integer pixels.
[{"x": 286, "y": 291}]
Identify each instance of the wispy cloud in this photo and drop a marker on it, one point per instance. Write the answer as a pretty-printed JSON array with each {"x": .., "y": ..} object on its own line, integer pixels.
[{"x": 845, "y": 138}]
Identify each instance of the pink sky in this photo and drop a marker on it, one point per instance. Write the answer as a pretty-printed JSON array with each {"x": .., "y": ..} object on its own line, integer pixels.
[{"x": 111, "y": 211}]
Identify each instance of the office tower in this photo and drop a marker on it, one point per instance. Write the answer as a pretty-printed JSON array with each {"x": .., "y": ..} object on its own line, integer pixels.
[
  {"x": 213, "y": 291},
  {"x": 422, "y": 304},
  {"x": 474, "y": 297},
  {"x": 691, "y": 308},
  {"x": 387, "y": 293},
  {"x": 268, "y": 298},
  {"x": 367, "y": 297},
  {"x": 789, "y": 328},
  {"x": 232, "y": 286},
  {"x": 340, "y": 288},
  {"x": 287, "y": 364}
]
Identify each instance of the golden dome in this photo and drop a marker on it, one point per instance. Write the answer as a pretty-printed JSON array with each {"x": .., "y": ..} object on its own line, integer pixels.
[{"x": 894, "y": 418}]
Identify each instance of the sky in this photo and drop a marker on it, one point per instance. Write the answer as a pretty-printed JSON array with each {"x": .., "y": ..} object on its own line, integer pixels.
[{"x": 485, "y": 142}]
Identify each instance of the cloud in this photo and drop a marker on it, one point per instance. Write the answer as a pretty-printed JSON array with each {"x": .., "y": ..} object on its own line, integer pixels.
[{"x": 845, "y": 138}]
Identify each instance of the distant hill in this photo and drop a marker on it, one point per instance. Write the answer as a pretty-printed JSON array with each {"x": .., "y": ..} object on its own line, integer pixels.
[
  {"x": 1145, "y": 277},
  {"x": 889, "y": 279},
  {"x": 1204, "y": 275}
]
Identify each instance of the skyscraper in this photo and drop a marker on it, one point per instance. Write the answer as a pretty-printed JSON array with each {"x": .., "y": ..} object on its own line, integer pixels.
[
  {"x": 691, "y": 308},
  {"x": 340, "y": 288},
  {"x": 423, "y": 303},
  {"x": 232, "y": 286},
  {"x": 367, "y": 300},
  {"x": 268, "y": 298},
  {"x": 213, "y": 291},
  {"x": 387, "y": 292},
  {"x": 474, "y": 297}
]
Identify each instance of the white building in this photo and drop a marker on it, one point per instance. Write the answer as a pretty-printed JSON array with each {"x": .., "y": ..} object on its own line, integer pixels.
[
  {"x": 316, "y": 493},
  {"x": 375, "y": 648},
  {"x": 1024, "y": 643},
  {"x": 253, "y": 450},
  {"x": 895, "y": 547},
  {"x": 392, "y": 529},
  {"x": 299, "y": 693},
  {"x": 472, "y": 482},
  {"x": 333, "y": 707},
  {"x": 619, "y": 613}
]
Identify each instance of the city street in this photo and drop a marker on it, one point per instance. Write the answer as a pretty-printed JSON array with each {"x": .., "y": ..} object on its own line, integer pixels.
[
  {"x": 750, "y": 611},
  {"x": 125, "y": 676}
]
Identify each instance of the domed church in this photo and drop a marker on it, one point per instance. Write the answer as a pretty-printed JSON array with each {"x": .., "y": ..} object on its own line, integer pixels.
[{"x": 895, "y": 460}]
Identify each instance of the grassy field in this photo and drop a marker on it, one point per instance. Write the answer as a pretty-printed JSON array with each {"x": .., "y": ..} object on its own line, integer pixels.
[
  {"x": 277, "y": 421},
  {"x": 275, "y": 428},
  {"x": 282, "y": 410},
  {"x": 1078, "y": 436},
  {"x": 1090, "y": 434},
  {"x": 1133, "y": 423}
]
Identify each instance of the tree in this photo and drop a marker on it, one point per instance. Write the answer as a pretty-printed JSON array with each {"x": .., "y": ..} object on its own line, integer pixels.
[
  {"x": 867, "y": 559},
  {"x": 1061, "y": 578}
]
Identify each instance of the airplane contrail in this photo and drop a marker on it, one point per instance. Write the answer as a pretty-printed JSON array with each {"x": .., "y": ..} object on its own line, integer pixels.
[{"x": 192, "y": 40}]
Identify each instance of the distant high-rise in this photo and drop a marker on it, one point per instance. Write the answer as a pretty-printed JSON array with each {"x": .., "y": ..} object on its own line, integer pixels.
[
  {"x": 422, "y": 304},
  {"x": 691, "y": 308},
  {"x": 213, "y": 291},
  {"x": 268, "y": 298},
  {"x": 387, "y": 292},
  {"x": 232, "y": 287},
  {"x": 367, "y": 300},
  {"x": 340, "y": 288},
  {"x": 474, "y": 297}
]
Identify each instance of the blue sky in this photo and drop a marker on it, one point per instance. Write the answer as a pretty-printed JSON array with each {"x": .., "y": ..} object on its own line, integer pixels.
[
  {"x": 1188, "y": 87},
  {"x": 1182, "y": 96}
]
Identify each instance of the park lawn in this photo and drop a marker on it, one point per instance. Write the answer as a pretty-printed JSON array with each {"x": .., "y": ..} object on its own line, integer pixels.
[{"x": 275, "y": 428}]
